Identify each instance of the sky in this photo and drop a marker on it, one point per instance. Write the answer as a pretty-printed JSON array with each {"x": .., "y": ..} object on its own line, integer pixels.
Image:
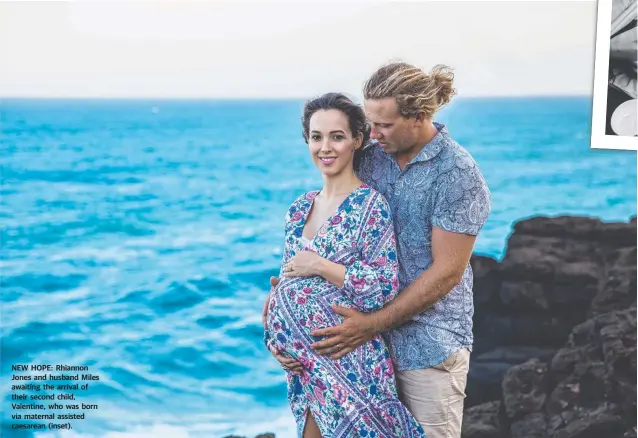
[{"x": 266, "y": 49}]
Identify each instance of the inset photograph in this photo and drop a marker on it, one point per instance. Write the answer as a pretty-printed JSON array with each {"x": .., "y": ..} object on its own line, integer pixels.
[
  {"x": 615, "y": 76},
  {"x": 622, "y": 117}
]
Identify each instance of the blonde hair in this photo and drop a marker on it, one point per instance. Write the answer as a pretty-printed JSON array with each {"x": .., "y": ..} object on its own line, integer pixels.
[{"x": 414, "y": 90}]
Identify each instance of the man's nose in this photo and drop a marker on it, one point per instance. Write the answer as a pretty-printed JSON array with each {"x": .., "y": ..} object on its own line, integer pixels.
[{"x": 374, "y": 134}]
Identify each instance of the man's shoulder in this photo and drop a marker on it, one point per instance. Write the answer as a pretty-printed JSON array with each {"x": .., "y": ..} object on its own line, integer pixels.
[
  {"x": 455, "y": 157},
  {"x": 371, "y": 157},
  {"x": 370, "y": 151},
  {"x": 453, "y": 150}
]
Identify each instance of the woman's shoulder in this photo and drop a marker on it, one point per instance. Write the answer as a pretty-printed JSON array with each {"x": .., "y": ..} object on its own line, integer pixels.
[
  {"x": 306, "y": 197},
  {"x": 301, "y": 201}
]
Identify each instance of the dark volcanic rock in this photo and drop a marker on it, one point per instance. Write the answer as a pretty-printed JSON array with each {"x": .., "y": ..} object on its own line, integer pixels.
[
  {"x": 555, "y": 333},
  {"x": 619, "y": 235},
  {"x": 486, "y": 282},
  {"x": 516, "y": 355},
  {"x": 482, "y": 421},
  {"x": 619, "y": 289},
  {"x": 484, "y": 381},
  {"x": 531, "y": 426},
  {"x": 593, "y": 424},
  {"x": 597, "y": 364},
  {"x": 525, "y": 389},
  {"x": 487, "y": 369},
  {"x": 550, "y": 259},
  {"x": 524, "y": 295},
  {"x": 583, "y": 228}
]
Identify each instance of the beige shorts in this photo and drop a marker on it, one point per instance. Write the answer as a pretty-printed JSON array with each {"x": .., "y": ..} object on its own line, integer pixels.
[{"x": 435, "y": 395}]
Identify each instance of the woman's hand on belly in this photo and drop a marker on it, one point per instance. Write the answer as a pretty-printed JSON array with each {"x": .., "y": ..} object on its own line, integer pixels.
[
  {"x": 310, "y": 264},
  {"x": 304, "y": 264}
]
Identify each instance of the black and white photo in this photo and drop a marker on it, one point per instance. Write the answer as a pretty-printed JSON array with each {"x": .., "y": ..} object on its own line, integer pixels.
[{"x": 615, "y": 108}]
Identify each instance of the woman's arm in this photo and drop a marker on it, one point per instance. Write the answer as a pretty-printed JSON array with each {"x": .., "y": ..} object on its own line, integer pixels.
[
  {"x": 372, "y": 279},
  {"x": 331, "y": 271}
]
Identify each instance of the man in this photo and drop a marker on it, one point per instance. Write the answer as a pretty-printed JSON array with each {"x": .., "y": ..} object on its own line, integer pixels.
[{"x": 440, "y": 201}]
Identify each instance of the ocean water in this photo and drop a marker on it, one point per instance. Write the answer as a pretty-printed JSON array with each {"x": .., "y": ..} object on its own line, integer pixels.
[{"x": 138, "y": 238}]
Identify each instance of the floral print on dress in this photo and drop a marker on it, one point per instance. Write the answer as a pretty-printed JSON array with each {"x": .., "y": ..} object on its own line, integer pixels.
[{"x": 354, "y": 396}]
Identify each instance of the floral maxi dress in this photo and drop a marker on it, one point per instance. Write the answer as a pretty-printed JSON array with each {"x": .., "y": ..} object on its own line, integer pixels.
[{"x": 356, "y": 395}]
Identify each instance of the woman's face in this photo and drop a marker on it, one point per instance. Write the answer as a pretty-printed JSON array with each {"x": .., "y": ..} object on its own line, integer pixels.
[{"x": 330, "y": 141}]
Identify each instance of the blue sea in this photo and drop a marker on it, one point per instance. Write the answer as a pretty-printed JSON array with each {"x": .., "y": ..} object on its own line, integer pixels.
[{"x": 138, "y": 238}]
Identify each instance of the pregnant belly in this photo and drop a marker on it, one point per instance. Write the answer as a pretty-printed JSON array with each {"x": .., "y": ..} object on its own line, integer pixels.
[{"x": 299, "y": 306}]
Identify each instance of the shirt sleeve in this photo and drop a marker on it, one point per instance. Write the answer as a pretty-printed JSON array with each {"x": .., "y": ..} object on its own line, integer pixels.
[
  {"x": 463, "y": 200},
  {"x": 372, "y": 279}
]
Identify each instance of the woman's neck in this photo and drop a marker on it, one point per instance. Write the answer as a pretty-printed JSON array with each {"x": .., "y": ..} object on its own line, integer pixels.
[{"x": 339, "y": 185}]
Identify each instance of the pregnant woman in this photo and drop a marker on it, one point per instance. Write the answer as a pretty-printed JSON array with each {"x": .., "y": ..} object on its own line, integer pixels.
[{"x": 339, "y": 250}]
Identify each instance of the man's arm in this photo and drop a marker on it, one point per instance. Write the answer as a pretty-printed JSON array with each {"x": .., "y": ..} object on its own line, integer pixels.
[{"x": 451, "y": 253}]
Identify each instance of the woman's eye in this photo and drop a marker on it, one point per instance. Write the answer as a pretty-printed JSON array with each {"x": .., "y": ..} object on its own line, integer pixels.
[
  {"x": 338, "y": 137},
  {"x": 314, "y": 137}
]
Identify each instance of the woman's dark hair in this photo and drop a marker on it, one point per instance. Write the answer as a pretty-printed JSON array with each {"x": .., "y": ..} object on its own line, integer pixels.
[{"x": 340, "y": 102}]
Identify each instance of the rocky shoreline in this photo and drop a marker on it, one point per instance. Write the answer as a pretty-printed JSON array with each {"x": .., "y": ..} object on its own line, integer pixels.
[{"x": 555, "y": 333}]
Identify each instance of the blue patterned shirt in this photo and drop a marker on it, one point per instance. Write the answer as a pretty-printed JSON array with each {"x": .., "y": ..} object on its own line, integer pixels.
[{"x": 443, "y": 187}]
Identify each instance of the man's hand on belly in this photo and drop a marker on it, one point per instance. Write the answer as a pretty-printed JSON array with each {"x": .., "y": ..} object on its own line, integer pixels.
[{"x": 356, "y": 329}]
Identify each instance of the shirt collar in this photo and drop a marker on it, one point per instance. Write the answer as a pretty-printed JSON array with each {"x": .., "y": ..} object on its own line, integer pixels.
[{"x": 434, "y": 146}]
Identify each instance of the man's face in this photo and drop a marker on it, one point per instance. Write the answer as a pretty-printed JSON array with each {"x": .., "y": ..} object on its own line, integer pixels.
[{"x": 394, "y": 132}]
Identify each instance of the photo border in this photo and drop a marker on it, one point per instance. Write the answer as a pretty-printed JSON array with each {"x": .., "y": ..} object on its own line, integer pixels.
[{"x": 599, "y": 140}]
